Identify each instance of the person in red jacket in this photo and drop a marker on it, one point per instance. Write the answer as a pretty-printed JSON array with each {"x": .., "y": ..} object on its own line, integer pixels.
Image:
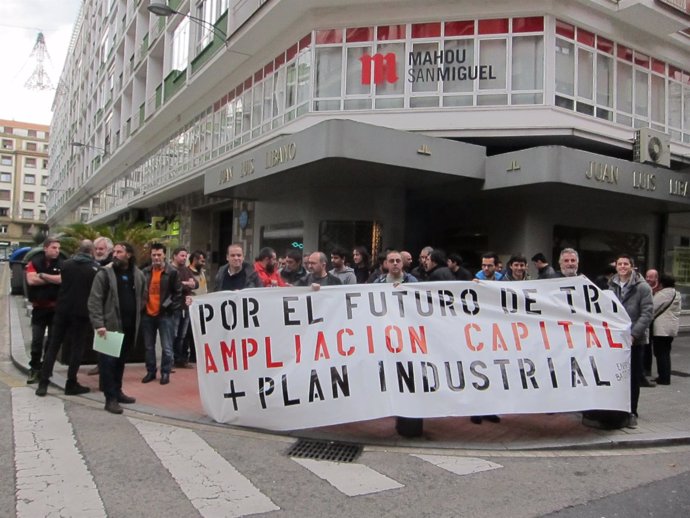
[{"x": 267, "y": 270}]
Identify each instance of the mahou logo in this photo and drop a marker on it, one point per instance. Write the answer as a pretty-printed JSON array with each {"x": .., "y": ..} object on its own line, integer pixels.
[{"x": 384, "y": 68}]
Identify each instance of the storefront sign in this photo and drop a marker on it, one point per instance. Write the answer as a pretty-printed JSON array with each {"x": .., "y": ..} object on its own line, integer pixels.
[
  {"x": 241, "y": 170},
  {"x": 293, "y": 358},
  {"x": 281, "y": 155},
  {"x": 448, "y": 65}
]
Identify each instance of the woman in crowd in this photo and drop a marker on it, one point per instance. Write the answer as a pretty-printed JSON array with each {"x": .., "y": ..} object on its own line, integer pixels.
[
  {"x": 665, "y": 326},
  {"x": 361, "y": 264}
]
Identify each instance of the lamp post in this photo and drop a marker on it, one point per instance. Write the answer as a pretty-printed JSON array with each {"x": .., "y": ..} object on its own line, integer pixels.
[
  {"x": 161, "y": 8},
  {"x": 87, "y": 146}
]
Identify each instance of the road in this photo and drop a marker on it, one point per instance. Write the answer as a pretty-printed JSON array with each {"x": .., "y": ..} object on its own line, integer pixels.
[{"x": 64, "y": 456}]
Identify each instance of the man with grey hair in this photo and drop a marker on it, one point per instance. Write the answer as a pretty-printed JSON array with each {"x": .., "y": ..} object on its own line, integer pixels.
[
  {"x": 569, "y": 261},
  {"x": 419, "y": 271},
  {"x": 103, "y": 250}
]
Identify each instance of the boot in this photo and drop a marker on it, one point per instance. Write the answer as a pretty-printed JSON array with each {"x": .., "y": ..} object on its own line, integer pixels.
[
  {"x": 73, "y": 388},
  {"x": 42, "y": 389},
  {"x": 112, "y": 406}
]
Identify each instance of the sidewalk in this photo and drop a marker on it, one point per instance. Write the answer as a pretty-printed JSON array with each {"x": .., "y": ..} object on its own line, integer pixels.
[{"x": 664, "y": 410}]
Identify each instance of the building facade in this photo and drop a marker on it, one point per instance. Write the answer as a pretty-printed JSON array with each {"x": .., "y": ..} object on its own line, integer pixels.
[
  {"x": 23, "y": 183},
  {"x": 518, "y": 127}
]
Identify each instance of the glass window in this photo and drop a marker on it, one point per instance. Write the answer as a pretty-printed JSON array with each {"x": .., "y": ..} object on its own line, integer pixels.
[
  {"x": 5, "y": 177},
  {"x": 303, "y": 77},
  {"x": 394, "y": 56},
  {"x": 29, "y": 179},
  {"x": 6, "y": 160},
  {"x": 357, "y": 72},
  {"x": 5, "y": 195},
  {"x": 528, "y": 63},
  {"x": 604, "y": 80},
  {"x": 329, "y": 65},
  {"x": 585, "y": 74},
  {"x": 658, "y": 107},
  {"x": 28, "y": 196},
  {"x": 641, "y": 93},
  {"x": 30, "y": 162},
  {"x": 464, "y": 50},
  {"x": 28, "y": 213},
  {"x": 492, "y": 53},
  {"x": 624, "y": 87},
  {"x": 180, "y": 45},
  {"x": 426, "y": 70},
  {"x": 565, "y": 67},
  {"x": 675, "y": 104}
]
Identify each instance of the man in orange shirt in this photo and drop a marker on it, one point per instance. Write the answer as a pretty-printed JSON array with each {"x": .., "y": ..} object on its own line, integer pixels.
[{"x": 164, "y": 298}]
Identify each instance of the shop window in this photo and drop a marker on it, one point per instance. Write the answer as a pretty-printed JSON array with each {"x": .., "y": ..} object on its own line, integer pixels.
[
  {"x": 465, "y": 77},
  {"x": 597, "y": 248},
  {"x": 329, "y": 66},
  {"x": 624, "y": 87},
  {"x": 492, "y": 53},
  {"x": 283, "y": 236},
  {"x": 349, "y": 234},
  {"x": 528, "y": 63},
  {"x": 565, "y": 67},
  {"x": 356, "y": 78}
]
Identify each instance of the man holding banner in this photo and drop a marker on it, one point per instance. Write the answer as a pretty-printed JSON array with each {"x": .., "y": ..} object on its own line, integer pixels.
[{"x": 115, "y": 304}]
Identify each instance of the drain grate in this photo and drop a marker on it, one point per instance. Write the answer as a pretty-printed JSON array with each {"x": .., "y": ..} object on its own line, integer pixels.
[
  {"x": 325, "y": 450},
  {"x": 680, "y": 374}
]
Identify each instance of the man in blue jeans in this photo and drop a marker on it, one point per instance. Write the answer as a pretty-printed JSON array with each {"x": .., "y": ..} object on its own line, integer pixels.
[{"x": 164, "y": 299}]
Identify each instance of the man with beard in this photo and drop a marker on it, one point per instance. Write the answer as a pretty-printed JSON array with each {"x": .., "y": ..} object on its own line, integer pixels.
[
  {"x": 293, "y": 270},
  {"x": 43, "y": 278},
  {"x": 569, "y": 261},
  {"x": 266, "y": 270},
  {"x": 115, "y": 304},
  {"x": 318, "y": 273},
  {"x": 181, "y": 316},
  {"x": 436, "y": 269},
  {"x": 103, "y": 250},
  {"x": 71, "y": 319}
]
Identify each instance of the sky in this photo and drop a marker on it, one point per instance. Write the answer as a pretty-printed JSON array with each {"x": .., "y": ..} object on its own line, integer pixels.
[{"x": 20, "y": 23}]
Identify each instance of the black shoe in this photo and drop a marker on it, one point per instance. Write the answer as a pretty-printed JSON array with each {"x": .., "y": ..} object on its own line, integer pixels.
[
  {"x": 492, "y": 418},
  {"x": 125, "y": 399},
  {"x": 73, "y": 388},
  {"x": 661, "y": 382},
  {"x": 42, "y": 389},
  {"x": 34, "y": 377},
  {"x": 476, "y": 419},
  {"x": 113, "y": 407},
  {"x": 150, "y": 376},
  {"x": 646, "y": 383},
  {"x": 165, "y": 378},
  {"x": 182, "y": 364}
]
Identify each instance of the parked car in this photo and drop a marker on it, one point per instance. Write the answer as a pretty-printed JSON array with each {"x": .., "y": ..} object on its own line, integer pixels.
[
  {"x": 17, "y": 267},
  {"x": 18, "y": 261}
]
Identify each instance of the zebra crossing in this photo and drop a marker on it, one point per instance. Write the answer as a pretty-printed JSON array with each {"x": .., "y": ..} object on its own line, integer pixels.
[{"x": 54, "y": 477}]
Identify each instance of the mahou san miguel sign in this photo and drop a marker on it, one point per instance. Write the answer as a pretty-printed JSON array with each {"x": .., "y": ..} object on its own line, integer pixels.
[
  {"x": 443, "y": 65},
  {"x": 291, "y": 358}
]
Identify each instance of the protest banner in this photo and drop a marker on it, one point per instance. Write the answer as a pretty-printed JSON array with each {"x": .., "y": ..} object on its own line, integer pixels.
[{"x": 292, "y": 358}]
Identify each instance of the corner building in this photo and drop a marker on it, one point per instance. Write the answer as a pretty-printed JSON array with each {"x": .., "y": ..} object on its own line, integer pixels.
[{"x": 511, "y": 126}]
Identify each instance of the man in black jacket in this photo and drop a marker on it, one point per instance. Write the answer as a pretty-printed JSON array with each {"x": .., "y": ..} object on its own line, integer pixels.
[
  {"x": 43, "y": 278},
  {"x": 71, "y": 318}
]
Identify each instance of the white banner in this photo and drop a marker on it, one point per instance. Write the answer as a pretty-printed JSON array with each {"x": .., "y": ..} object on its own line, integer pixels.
[{"x": 291, "y": 358}]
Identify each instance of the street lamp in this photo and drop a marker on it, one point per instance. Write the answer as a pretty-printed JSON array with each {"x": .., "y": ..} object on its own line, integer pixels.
[
  {"x": 161, "y": 8},
  {"x": 88, "y": 146}
]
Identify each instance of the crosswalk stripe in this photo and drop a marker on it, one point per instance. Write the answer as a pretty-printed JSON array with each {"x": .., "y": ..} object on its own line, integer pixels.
[
  {"x": 210, "y": 482},
  {"x": 352, "y": 479},
  {"x": 459, "y": 465},
  {"x": 52, "y": 477}
]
